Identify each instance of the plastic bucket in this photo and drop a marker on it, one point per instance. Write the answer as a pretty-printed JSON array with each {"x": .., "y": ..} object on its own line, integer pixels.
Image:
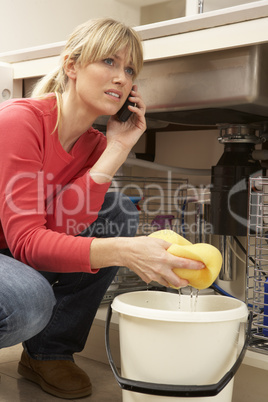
[{"x": 168, "y": 339}]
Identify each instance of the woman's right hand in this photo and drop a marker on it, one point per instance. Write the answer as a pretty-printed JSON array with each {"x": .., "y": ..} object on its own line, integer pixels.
[
  {"x": 126, "y": 134},
  {"x": 148, "y": 257},
  {"x": 121, "y": 137}
]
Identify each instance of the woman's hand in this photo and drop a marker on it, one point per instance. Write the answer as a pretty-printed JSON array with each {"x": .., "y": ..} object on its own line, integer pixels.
[
  {"x": 121, "y": 137},
  {"x": 148, "y": 258},
  {"x": 126, "y": 134}
]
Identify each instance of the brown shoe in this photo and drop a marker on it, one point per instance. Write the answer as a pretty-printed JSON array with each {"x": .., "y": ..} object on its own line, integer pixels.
[{"x": 61, "y": 378}]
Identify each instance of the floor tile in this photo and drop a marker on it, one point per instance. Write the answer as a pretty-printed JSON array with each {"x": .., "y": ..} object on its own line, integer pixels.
[
  {"x": 14, "y": 388},
  {"x": 10, "y": 354}
]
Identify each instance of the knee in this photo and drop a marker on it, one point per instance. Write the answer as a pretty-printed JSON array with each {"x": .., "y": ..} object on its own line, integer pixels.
[
  {"x": 26, "y": 312},
  {"x": 44, "y": 301}
]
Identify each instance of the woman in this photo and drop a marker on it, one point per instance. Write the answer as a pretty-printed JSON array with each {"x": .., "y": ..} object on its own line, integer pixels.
[{"x": 59, "y": 253}]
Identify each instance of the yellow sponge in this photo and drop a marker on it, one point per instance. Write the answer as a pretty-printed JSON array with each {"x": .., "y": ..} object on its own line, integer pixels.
[{"x": 206, "y": 253}]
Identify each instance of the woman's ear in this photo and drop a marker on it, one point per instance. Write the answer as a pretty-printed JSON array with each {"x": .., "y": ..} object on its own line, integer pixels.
[{"x": 70, "y": 68}]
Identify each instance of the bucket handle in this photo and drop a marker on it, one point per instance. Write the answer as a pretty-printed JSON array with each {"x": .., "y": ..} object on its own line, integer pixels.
[{"x": 191, "y": 391}]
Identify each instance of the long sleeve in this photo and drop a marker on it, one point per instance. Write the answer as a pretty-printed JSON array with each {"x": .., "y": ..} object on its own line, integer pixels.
[
  {"x": 37, "y": 183},
  {"x": 76, "y": 205}
]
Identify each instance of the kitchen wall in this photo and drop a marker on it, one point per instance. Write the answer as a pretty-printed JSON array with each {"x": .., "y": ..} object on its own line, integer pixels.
[
  {"x": 162, "y": 11},
  {"x": 196, "y": 149},
  {"x": 190, "y": 149},
  {"x": 30, "y": 23}
]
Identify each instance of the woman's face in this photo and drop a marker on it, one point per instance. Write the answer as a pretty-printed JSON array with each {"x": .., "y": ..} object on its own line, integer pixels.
[{"x": 102, "y": 87}]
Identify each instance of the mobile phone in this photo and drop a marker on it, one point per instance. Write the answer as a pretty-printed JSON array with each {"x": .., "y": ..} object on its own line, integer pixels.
[{"x": 124, "y": 113}]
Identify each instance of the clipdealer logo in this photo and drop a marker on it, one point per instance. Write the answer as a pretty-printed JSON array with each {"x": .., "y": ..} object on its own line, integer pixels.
[
  {"x": 46, "y": 194},
  {"x": 71, "y": 206}
]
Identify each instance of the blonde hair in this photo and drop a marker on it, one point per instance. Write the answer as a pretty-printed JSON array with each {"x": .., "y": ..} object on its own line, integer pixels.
[{"x": 92, "y": 41}]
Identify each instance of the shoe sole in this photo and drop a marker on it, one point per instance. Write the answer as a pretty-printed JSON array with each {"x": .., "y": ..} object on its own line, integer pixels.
[{"x": 29, "y": 374}]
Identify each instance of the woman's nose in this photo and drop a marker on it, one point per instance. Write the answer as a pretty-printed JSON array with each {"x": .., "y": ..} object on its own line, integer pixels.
[{"x": 120, "y": 76}]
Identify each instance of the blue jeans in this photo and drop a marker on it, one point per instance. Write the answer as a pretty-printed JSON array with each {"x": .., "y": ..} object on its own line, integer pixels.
[{"x": 52, "y": 313}]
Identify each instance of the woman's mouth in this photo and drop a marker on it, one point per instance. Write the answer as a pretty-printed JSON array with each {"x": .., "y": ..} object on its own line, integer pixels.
[{"x": 115, "y": 95}]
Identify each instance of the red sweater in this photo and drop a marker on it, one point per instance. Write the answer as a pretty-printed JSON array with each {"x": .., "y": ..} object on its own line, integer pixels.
[{"x": 47, "y": 196}]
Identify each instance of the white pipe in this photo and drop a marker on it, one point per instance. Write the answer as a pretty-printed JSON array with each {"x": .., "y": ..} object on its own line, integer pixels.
[{"x": 157, "y": 166}]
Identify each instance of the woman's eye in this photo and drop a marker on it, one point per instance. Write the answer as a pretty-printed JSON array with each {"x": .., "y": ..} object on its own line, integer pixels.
[
  {"x": 109, "y": 61},
  {"x": 130, "y": 71}
]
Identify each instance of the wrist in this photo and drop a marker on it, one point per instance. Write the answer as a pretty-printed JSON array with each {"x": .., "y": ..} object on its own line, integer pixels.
[
  {"x": 117, "y": 148},
  {"x": 107, "y": 252},
  {"x": 108, "y": 164}
]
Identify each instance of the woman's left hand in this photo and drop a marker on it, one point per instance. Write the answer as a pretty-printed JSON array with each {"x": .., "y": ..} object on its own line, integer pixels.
[{"x": 126, "y": 134}]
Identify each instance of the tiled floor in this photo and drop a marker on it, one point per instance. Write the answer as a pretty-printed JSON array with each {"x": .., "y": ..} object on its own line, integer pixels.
[{"x": 14, "y": 388}]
